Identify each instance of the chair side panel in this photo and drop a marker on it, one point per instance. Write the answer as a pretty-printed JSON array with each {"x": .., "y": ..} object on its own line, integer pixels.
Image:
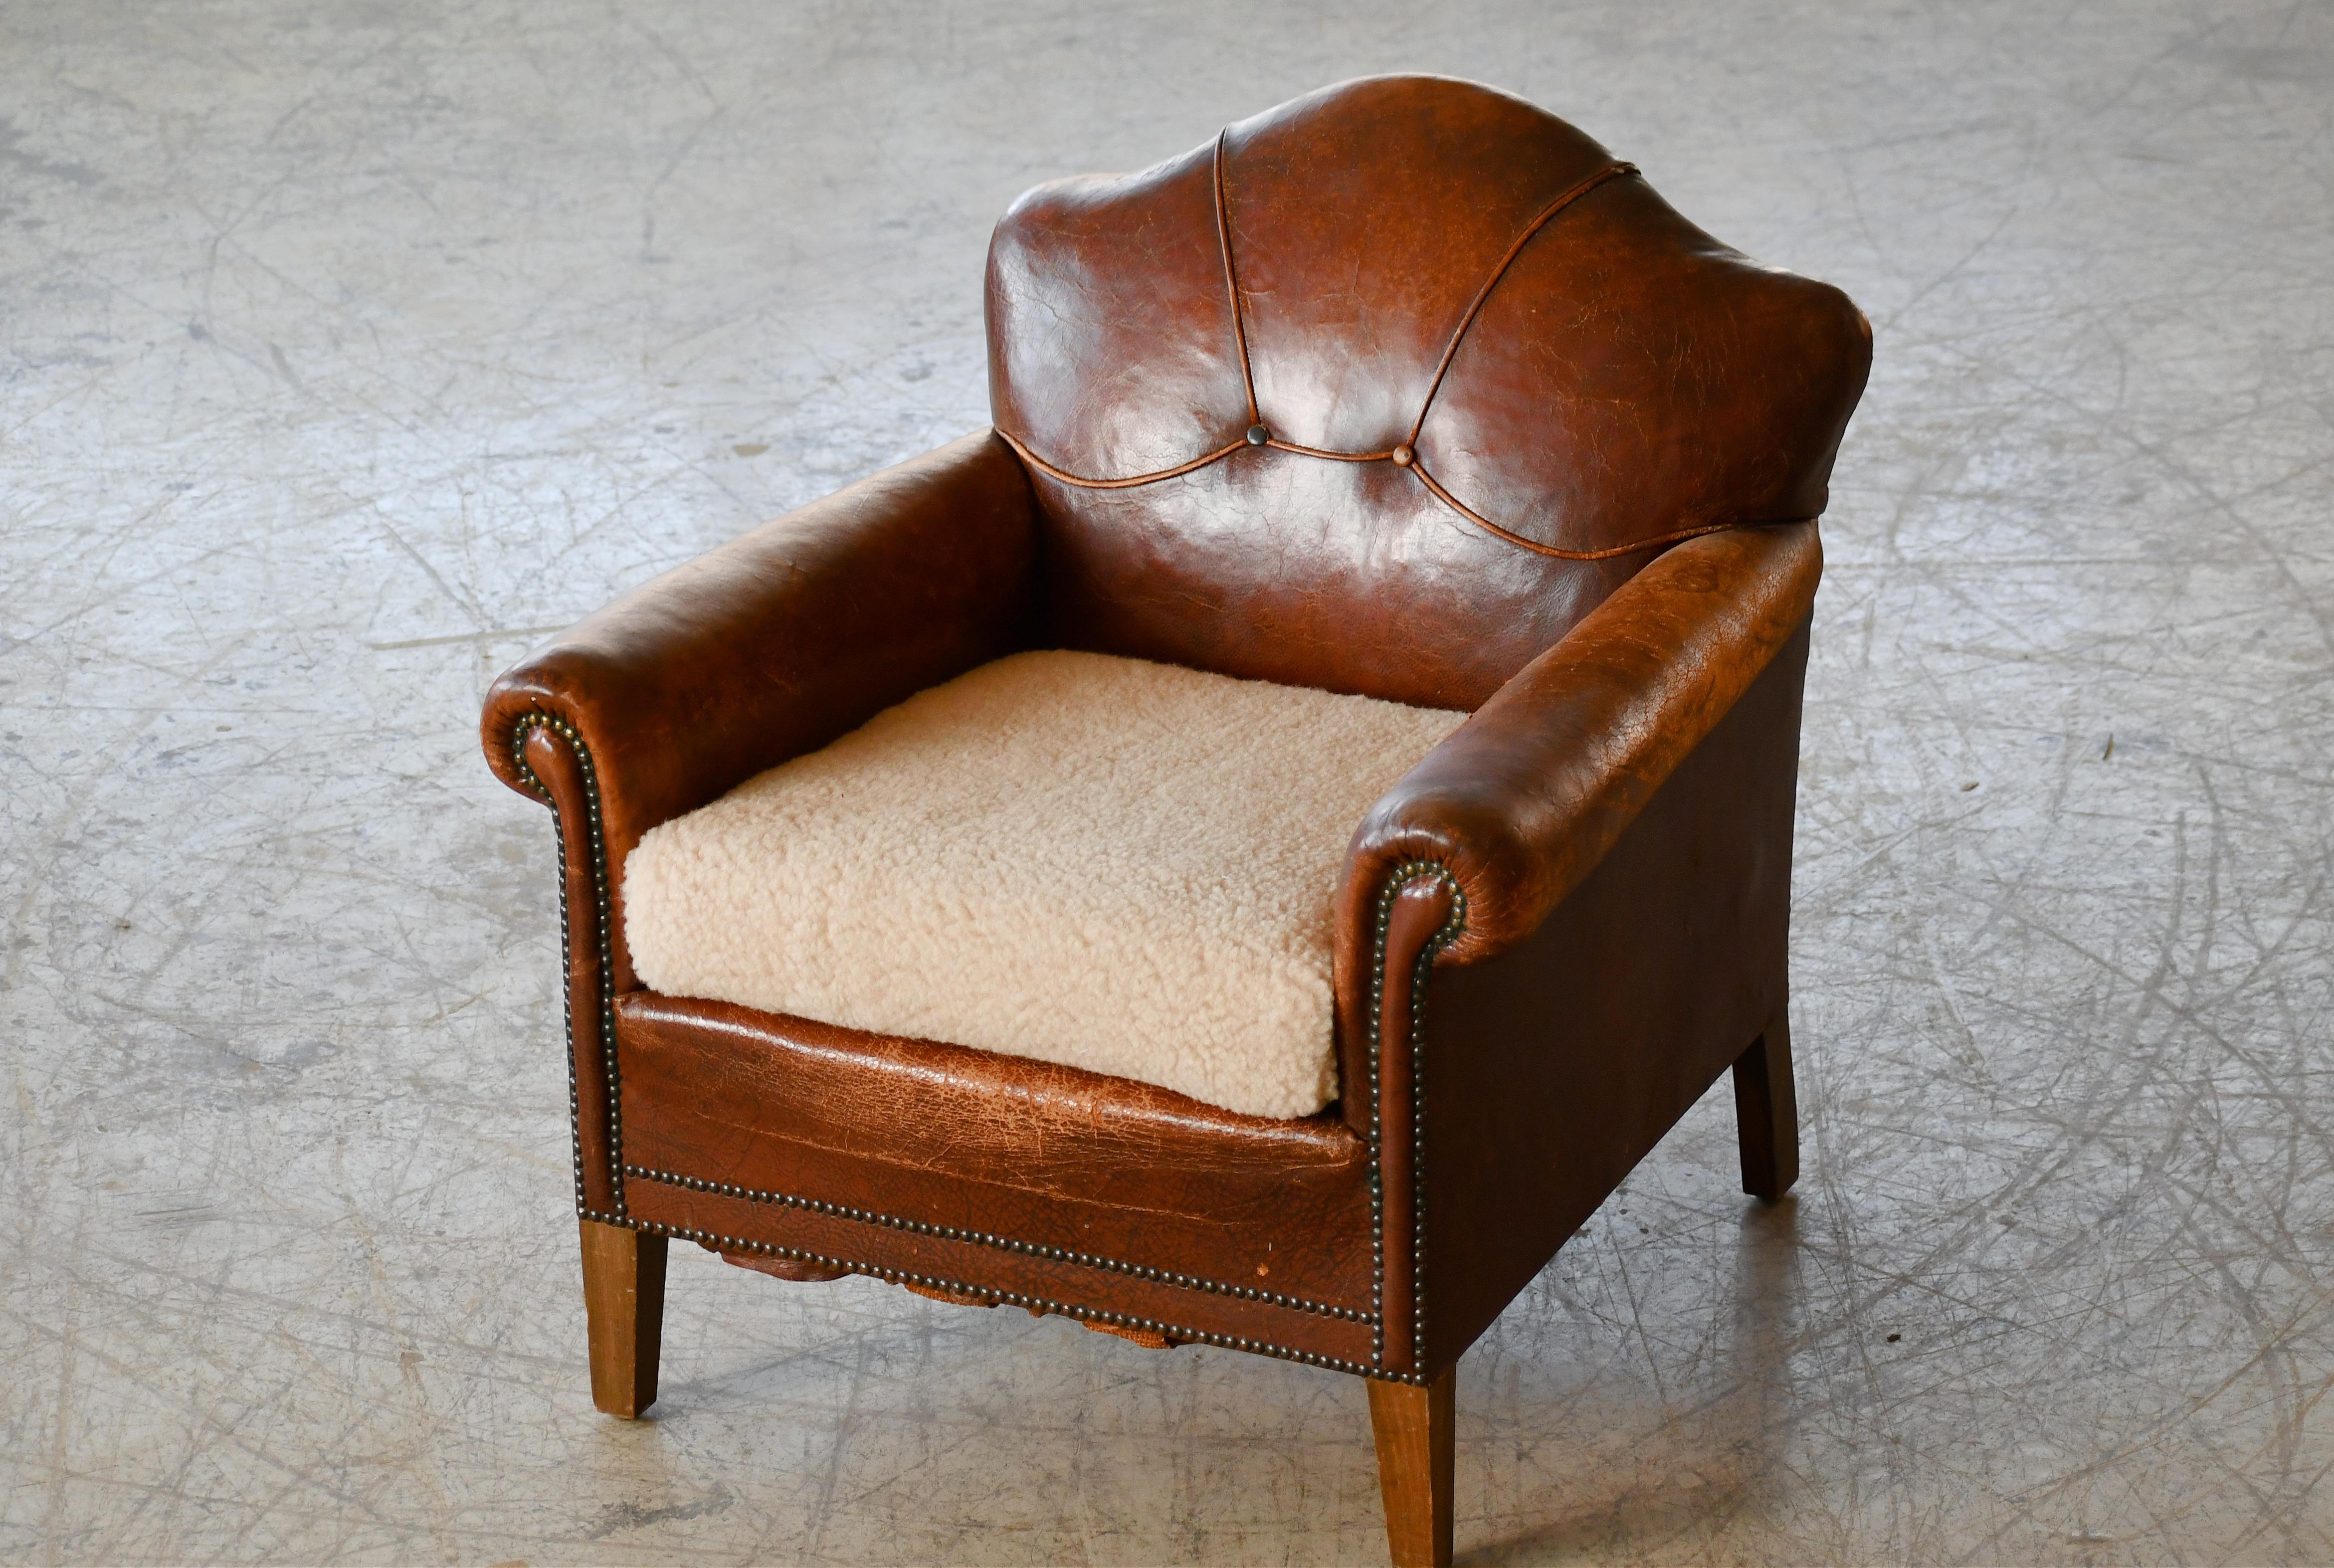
[{"x": 1552, "y": 1070}]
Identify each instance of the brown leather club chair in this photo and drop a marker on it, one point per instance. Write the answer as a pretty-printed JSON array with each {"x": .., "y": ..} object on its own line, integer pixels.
[{"x": 1404, "y": 389}]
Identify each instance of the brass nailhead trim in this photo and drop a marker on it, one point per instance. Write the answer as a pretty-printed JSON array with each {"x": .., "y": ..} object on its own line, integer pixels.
[
  {"x": 598, "y": 859},
  {"x": 1002, "y": 1243},
  {"x": 1401, "y": 876},
  {"x": 1041, "y": 1304}
]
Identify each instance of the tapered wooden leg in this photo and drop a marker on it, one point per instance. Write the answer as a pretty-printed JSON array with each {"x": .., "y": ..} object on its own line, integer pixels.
[
  {"x": 1767, "y": 1113},
  {"x": 623, "y": 1309},
  {"x": 1414, "y": 1432}
]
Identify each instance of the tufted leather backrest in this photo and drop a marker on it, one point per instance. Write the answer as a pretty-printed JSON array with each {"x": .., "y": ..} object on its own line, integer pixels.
[{"x": 1383, "y": 389}]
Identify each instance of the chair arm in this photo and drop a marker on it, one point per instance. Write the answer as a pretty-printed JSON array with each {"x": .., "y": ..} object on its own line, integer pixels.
[
  {"x": 1520, "y": 802},
  {"x": 779, "y": 641}
]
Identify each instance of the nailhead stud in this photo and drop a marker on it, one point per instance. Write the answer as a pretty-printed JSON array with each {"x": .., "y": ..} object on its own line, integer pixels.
[
  {"x": 1004, "y": 1244},
  {"x": 1399, "y": 878},
  {"x": 1039, "y": 1303}
]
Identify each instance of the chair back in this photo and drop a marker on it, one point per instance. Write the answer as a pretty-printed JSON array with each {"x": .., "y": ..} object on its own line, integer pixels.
[{"x": 1383, "y": 389}]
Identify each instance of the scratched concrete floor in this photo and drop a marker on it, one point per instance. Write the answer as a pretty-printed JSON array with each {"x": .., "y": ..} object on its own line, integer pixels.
[{"x": 344, "y": 357}]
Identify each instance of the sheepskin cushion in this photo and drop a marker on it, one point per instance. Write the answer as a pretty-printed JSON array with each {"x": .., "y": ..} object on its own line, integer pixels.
[{"x": 1099, "y": 862}]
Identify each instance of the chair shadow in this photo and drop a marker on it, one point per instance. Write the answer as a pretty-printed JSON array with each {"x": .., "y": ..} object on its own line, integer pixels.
[{"x": 1737, "y": 1440}]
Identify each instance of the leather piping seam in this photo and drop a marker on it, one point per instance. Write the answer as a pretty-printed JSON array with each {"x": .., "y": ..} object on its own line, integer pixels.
[
  {"x": 1017, "y": 1298},
  {"x": 1277, "y": 444},
  {"x": 1675, "y": 537},
  {"x": 1232, "y": 279},
  {"x": 1067, "y": 477},
  {"x": 596, "y": 856},
  {"x": 1001, "y": 1243},
  {"x": 1401, "y": 876},
  {"x": 1564, "y": 199}
]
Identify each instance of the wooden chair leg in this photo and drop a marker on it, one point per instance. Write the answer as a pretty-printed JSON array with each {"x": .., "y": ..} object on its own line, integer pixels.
[
  {"x": 1414, "y": 1432},
  {"x": 1767, "y": 1113},
  {"x": 623, "y": 1309}
]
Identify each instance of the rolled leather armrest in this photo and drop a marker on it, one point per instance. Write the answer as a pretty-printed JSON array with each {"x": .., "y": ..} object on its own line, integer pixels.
[
  {"x": 1521, "y": 801},
  {"x": 782, "y": 639}
]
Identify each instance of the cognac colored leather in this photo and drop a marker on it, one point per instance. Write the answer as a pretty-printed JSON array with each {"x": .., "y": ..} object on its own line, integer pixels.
[
  {"x": 1608, "y": 838},
  {"x": 1493, "y": 381},
  {"x": 1067, "y": 1190},
  {"x": 1521, "y": 801},
  {"x": 996, "y": 1175},
  {"x": 780, "y": 641},
  {"x": 1629, "y": 376},
  {"x": 1553, "y": 1068}
]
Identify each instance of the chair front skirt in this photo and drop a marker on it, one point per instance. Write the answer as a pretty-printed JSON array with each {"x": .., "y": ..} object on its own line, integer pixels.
[{"x": 996, "y": 1177}]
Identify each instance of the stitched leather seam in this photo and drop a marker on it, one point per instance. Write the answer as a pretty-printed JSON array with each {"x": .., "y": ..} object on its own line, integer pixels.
[
  {"x": 1401, "y": 876},
  {"x": 1036, "y": 1303},
  {"x": 1405, "y": 454},
  {"x": 596, "y": 856},
  {"x": 1001, "y": 1243}
]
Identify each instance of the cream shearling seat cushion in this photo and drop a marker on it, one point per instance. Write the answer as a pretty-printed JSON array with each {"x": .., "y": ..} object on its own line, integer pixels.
[{"x": 1099, "y": 862}]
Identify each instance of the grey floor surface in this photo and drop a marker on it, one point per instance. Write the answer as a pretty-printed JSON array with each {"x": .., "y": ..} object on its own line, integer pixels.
[{"x": 348, "y": 348}]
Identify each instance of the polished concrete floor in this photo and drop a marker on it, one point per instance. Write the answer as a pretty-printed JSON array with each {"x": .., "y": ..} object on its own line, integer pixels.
[{"x": 349, "y": 349}]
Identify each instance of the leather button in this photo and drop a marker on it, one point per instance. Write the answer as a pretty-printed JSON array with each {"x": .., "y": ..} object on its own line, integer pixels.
[
  {"x": 1258, "y": 435},
  {"x": 1403, "y": 457}
]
